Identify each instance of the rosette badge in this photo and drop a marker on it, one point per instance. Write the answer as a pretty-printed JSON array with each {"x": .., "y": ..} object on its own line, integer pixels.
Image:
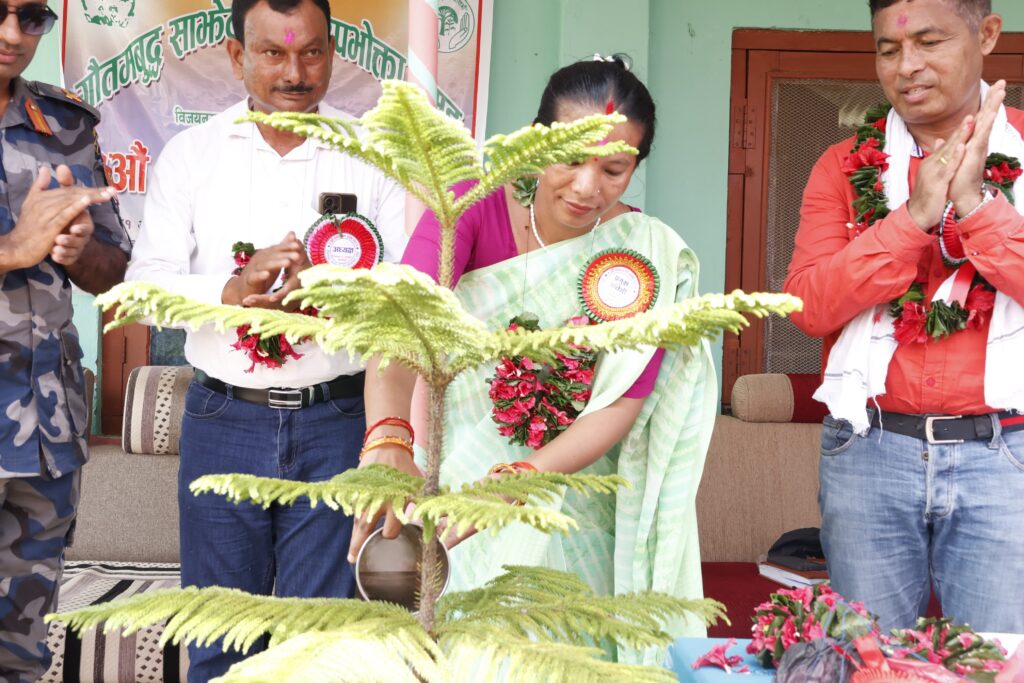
[
  {"x": 617, "y": 284},
  {"x": 350, "y": 240}
]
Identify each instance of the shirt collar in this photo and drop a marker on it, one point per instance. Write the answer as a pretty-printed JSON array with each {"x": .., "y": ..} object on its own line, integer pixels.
[
  {"x": 248, "y": 129},
  {"x": 16, "y": 114}
]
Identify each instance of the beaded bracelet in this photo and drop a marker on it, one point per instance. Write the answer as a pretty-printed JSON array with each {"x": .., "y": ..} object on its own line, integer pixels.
[
  {"x": 385, "y": 441},
  {"x": 393, "y": 422}
]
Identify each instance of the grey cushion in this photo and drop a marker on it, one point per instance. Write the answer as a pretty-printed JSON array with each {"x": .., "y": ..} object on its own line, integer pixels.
[{"x": 128, "y": 509}]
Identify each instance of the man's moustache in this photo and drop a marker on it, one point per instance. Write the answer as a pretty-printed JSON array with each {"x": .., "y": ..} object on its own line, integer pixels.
[{"x": 301, "y": 88}]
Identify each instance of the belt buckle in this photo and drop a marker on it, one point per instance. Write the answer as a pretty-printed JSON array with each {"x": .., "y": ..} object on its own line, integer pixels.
[
  {"x": 287, "y": 399},
  {"x": 929, "y": 429}
]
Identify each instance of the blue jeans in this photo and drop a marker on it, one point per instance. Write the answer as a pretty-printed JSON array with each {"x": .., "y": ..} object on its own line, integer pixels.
[
  {"x": 900, "y": 516},
  {"x": 292, "y": 550}
]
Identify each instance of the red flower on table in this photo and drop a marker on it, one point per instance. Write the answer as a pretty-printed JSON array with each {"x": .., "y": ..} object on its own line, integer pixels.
[{"x": 716, "y": 657}]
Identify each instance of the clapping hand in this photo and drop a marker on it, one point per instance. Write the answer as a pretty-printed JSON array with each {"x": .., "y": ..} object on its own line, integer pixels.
[
  {"x": 955, "y": 169},
  {"x": 54, "y": 222}
]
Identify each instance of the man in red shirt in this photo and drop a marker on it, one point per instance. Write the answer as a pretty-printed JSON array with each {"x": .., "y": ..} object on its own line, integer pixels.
[{"x": 910, "y": 262}]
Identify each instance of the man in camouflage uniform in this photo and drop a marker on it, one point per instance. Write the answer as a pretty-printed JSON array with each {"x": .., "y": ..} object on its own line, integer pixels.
[{"x": 57, "y": 226}]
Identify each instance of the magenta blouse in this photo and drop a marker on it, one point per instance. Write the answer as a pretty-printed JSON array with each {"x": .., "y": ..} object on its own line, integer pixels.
[{"x": 484, "y": 237}]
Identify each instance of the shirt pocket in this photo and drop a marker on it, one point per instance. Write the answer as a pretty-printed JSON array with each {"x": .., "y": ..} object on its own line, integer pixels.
[{"x": 73, "y": 381}]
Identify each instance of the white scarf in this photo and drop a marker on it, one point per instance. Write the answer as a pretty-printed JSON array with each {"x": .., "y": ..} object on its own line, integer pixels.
[{"x": 859, "y": 362}]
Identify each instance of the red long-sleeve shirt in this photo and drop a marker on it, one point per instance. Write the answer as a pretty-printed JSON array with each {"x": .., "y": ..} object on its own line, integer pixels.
[{"x": 839, "y": 276}]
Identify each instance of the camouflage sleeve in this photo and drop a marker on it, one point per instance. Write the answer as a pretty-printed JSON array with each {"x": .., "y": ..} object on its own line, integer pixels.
[{"x": 107, "y": 217}]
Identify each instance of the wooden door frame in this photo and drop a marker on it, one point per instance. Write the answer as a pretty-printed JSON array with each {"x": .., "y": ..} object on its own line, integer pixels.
[
  {"x": 759, "y": 56},
  {"x": 122, "y": 350}
]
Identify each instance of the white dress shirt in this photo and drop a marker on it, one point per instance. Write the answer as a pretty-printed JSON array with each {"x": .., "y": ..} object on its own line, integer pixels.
[{"x": 221, "y": 183}]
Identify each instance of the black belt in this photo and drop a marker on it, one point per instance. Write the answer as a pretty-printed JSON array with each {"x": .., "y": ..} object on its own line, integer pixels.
[
  {"x": 942, "y": 429},
  {"x": 345, "y": 386}
]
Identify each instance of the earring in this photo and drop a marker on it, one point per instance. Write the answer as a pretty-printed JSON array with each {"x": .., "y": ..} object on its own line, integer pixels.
[{"x": 524, "y": 189}]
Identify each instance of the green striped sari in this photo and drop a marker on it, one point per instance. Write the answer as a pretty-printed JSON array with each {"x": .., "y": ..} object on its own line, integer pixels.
[{"x": 645, "y": 538}]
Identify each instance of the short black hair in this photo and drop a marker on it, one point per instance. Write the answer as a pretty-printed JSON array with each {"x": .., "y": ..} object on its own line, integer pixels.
[
  {"x": 599, "y": 83},
  {"x": 972, "y": 11},
  {"x": 240, "y": 8}
]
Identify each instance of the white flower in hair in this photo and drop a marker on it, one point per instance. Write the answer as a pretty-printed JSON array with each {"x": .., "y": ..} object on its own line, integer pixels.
[{"x": 620, "y": 59}]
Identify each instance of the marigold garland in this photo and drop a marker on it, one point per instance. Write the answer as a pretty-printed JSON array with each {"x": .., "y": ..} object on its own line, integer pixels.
[
  {"x": 913, "y": 321},
  {"x": 534, "y": 403}
]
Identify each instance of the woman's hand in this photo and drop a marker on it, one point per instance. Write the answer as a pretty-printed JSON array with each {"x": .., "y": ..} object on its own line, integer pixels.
[
  {"x": 392, "y": 456},
  {"x": 388, "y": 395},
  {"x": 447, "y": 534}
]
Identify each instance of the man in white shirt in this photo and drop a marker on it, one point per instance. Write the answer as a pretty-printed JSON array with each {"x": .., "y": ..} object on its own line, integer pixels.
[{"x": 221, "y": 183}]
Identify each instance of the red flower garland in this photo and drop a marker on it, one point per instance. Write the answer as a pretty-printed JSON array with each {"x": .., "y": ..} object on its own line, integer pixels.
[
  {"x": 273, "y": 351},
  {"x": 534, "y": 403},
  {"x": 796, "y": 615},
  {"x": 805, "y": 614},
  {"x": 914, "y": 322}
]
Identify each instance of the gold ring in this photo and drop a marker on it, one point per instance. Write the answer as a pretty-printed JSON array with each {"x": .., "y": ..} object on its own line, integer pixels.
[{"x": 945, "y": 162}]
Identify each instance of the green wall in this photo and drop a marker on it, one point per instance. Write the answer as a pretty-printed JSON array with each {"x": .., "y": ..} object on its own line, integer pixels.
[{"x": 680, "y": 48}]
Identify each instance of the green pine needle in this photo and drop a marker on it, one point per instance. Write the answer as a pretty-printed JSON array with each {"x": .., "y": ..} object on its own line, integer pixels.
[
  {"x": 681, "y": 324},
  {"x": 402, "y": 315},
  {"x": 136, "y": 301},
  {"x": 355, "y": 654},
  {"x": 484, "y": 505},
  {"x": 354, "y": 491},
  {"x": 548, "y": 605},
  {"x": 531, "y": 150},
  {"x": 204, "y": 615},
  {"x": 484, "y": 654}
]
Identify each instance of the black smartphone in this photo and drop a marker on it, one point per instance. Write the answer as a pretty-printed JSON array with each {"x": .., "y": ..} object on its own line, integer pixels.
[{"x": 337, "y": 203}]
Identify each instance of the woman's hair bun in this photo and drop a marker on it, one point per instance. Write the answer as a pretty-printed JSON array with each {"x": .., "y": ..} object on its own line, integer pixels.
[{"x": 619, "y": 58}]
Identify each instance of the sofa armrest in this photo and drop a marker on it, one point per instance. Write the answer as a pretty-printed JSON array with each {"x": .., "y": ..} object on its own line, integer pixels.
[{"x": 153, "y": 406}]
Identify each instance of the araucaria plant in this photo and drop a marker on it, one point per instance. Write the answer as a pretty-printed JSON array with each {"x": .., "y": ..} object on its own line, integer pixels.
[{"x": 530, "y": 623}]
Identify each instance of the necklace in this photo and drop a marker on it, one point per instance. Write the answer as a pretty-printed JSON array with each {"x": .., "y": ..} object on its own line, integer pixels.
[{"x": 536, "y": 235}]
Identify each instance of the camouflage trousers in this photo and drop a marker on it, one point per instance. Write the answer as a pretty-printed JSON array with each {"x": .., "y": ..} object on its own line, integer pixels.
[{"x": 36, "y": 519}]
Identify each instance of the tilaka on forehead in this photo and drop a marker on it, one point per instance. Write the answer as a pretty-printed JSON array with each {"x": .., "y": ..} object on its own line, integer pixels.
[
  {"x": 902, "y": 21},
  {"x": 289, "y": 37}
]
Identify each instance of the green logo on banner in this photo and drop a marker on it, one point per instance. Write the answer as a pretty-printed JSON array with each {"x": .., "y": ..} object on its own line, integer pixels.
[
  {"x": 109, "y": 12},
  {"x": 456, "y": 24}
]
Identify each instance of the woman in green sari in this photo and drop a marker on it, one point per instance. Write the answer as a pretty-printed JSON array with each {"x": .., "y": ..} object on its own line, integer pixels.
[{"x": 649, "y": 413}]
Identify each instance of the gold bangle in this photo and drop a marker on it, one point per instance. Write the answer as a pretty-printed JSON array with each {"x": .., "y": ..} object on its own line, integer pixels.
[
  {"x": 386, "y": 441},
  {"x": 508, "y": 468}
]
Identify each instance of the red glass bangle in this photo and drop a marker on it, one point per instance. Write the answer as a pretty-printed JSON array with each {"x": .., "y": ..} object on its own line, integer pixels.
[{"x": 391, "y": 422}]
